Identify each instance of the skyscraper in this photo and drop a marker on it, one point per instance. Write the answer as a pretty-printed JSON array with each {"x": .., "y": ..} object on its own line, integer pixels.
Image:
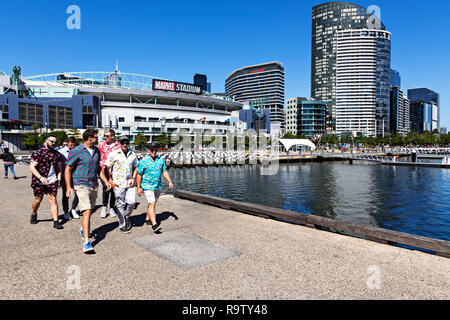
[
  {"x": 396, "y": 80},
  {"x": 427, "y": 95},
  {"x": 363, "y": 65},
  {"x": 261, "y": 86},
  {"x": 400, "y": 113},
  {"x": 328, "y": 18}
]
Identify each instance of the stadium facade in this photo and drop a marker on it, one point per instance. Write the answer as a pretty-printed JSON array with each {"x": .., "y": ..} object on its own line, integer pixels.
[{"x": 129, "y": 103}]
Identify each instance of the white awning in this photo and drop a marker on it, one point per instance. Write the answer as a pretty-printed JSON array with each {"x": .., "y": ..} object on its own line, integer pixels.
[{"x": 289, "y": 143}]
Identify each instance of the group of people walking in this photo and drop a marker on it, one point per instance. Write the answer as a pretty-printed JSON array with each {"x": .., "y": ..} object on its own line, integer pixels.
[{"x": 77, "y": 169}]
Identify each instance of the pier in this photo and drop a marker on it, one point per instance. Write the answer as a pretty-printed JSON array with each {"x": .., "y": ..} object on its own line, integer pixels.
[{"x": 204, "y": 252}]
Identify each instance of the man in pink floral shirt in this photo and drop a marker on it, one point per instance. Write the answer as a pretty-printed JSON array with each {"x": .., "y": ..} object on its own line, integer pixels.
[{"x": 106, "y": 147}]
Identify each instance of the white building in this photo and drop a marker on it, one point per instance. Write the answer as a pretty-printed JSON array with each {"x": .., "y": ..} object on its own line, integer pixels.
[{"x": 362, "y": 82}]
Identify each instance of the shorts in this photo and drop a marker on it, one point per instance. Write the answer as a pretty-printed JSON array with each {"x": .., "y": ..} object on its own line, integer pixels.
[
  {"x": 86, "y": 197},
  {"x": 152, "y": 195},
  {"x": 40, "y": 189}
]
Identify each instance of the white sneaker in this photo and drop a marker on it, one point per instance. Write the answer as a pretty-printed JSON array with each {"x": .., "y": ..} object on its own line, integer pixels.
[
  {"x": 103, "y": 213},
  {"x": 67, "y": 216},
  {"x": 75, "y": 214},
  {"x": 112, "y": 213}
]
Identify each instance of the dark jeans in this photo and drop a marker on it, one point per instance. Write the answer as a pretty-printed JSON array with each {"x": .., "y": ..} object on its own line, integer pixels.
[
  {"x": 108, "y": 195},
  {"x": 11, "y": 167},
  {"x": 65, "y": 200}
]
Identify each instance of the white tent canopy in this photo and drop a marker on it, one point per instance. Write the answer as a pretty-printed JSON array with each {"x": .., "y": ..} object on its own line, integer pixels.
[{"x": 289, "y": 143}]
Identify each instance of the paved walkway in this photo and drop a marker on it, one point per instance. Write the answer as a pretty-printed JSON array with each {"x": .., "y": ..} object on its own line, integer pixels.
[{"x": 203, "y": 253}]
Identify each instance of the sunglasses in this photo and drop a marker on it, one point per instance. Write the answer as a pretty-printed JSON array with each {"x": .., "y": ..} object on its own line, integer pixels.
[
  {"x": 153, "y": 150},
  {"x": 52, "y": 141}
]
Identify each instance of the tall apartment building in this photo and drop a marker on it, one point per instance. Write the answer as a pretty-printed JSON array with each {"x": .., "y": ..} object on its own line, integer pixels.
[
  {"x": 261, "y": 86},
  {"x": 327, "y": 18},
  {"x": 400, "y": 121},
  {"x": 363, "y": 60}
]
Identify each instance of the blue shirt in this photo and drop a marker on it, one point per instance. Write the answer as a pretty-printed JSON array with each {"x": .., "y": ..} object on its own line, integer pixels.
[
  {"x": 85, "y": 166},
  {"x": 151, "y": 172}
]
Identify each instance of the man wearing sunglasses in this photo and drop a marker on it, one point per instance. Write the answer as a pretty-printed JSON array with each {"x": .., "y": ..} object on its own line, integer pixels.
[
  {"x": 123, "y": 164},
  {"x": 106, "y": 147},
  {"x": 45, "y": 166},
  {"x": 150, "y": 169}
]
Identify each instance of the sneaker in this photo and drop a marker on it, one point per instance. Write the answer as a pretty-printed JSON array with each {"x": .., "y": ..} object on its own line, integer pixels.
[
  {"x": 67, "y": 216},
  {"x": 148, "y": 222},
  {"x": 156, "y": 227},
  {"x": 33, "y": 219},
  {"x": 75, "y": 214},
  {"x": 128, "y": 223},
  {"x": 112, "y": 213},
  {"x": 103, "y": 213},
  {"x": 87, "y": 247},
  {"x": 125, "y": 230},
  {"x": 57, "y": 225}
]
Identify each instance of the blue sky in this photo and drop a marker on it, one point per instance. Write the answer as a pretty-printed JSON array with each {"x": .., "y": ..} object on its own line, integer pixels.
[{"x": 176, "y": 39}]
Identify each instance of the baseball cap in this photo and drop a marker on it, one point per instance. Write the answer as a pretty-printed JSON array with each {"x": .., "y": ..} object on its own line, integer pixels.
[
  {"x": 124, "y": 140},
  {"x": 152, "y": 146}
]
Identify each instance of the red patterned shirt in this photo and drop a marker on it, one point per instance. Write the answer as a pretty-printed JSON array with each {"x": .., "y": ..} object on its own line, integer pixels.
[{"x": 105, "y": 150}]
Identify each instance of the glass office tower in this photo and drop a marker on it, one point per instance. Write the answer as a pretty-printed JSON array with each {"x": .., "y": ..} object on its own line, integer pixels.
[
  {"x": 328, "y": 18},
  {"x": 427, "y": 95}
]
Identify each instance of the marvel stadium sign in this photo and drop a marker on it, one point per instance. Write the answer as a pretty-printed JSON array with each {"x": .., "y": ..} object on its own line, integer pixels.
[{"x": 176, "y": 86}]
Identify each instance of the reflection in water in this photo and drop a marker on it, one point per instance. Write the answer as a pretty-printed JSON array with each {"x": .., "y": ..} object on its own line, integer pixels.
[{"x": 411, "y": 200}]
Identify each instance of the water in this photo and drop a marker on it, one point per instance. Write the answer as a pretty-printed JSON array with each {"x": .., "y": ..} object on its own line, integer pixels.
[{"x": 406, "y": 199}]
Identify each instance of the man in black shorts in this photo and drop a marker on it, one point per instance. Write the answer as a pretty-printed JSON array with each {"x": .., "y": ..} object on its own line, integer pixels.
[{"x": 45, "y": 166}]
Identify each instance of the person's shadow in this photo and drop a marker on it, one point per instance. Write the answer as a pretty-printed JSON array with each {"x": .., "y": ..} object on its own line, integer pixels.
[
  {"x": 136, "y": 221},
  {"x": 139, "y": 220}
]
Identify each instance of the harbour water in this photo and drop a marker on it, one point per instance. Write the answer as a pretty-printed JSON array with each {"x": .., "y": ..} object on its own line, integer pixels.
[{"x": 414, "y": 200}]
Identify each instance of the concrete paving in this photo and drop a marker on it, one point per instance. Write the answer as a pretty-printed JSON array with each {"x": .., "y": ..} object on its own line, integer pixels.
[{"x": 203, "y": 252}]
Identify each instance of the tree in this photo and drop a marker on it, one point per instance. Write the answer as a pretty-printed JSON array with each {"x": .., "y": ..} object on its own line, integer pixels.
[
  {"x": 32, "y": 139},
  {"x": 60, "y": 135},
  {"x": 289, "y": 136},
  {"x": 140, "y": 140},
  {"x": 163, "y": 140}
]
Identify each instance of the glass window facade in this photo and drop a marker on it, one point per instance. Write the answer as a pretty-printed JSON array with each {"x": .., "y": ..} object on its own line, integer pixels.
[{"x": 328, "y": 18}]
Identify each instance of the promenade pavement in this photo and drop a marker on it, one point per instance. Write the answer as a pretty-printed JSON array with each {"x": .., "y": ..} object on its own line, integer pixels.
[{"x": 203, "y": 252}]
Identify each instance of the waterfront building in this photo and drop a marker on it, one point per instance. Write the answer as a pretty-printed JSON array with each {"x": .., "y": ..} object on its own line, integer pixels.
[
  {"x": 400, "y": 114},
  {"x": 255, "y": 119},
  {"x": 141, "y": 104},
  {"x": 363, "y": 58},
  {"x": 305, "y": 117},
  {"x": 426, "y": 95},
  {"x": 261, "y": 86},
  {"x": 327, "y": 19},
  {"x": 424, "y": 116}
]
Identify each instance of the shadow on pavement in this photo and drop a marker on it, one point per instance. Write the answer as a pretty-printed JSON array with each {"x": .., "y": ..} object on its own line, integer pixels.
[
  {"x": 139, "y": 220},
  {"x": 100, "y": 233}
]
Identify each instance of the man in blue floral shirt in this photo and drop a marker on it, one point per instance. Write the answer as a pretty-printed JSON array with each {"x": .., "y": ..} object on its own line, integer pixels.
[
  {"x": 83, "y": 166},
  {"x": 150, "y": 169}
]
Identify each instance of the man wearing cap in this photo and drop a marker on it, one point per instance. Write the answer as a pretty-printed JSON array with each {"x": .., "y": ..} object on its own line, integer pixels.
[
  {"x": 150, "y": 170},
  {"x": 121, "y": 167}
]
